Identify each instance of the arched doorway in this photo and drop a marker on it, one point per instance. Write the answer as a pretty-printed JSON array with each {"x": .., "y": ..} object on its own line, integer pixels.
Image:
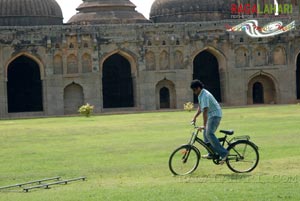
[
  {"x": 73, "y": 98},
  {"x": 258, "y": 93},
  {"x": 164, "y": 98},
  {"x": 24, "y": 86},
  {"x": 298, "y": 77},
  {"x": 206, "y": 69},
  {"x": 165, "y": 94},
  {"x": 117, "y": 82},
  {"x": 261, "y": 90}
]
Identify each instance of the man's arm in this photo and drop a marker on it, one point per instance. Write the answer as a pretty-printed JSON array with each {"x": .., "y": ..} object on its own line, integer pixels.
[
  {"x": 197, "y": 114},
  {"x": 205, "y": 112}
]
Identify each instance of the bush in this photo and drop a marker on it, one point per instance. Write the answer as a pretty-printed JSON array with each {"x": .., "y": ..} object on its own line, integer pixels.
[
  {"x": 86, "y": 110},
  {"x": 189, "y": 106}
]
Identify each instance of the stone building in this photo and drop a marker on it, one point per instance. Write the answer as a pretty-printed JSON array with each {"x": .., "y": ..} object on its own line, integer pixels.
[{"x": 112, "y": 57}]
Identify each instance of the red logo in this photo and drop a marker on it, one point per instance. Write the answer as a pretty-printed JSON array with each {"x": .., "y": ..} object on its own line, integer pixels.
[{"x": 246, "y": 9}]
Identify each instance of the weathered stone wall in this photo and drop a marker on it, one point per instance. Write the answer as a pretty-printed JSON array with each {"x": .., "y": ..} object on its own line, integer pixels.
[{"x": 160, "y": 55}]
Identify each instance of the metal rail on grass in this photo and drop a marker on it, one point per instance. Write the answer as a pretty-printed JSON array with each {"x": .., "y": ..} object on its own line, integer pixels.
[
  {"x": 42, "y": 185},
  {"x": 30, "y": 182},
  {"x": 54, "y": 183}
]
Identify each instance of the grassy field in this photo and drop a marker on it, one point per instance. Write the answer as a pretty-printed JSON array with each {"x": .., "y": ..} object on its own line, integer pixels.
[{"x": 125, "y": 157}]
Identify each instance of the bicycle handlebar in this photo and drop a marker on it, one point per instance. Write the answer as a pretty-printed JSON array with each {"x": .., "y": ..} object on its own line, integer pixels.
[{"x": 193, "y": 123}]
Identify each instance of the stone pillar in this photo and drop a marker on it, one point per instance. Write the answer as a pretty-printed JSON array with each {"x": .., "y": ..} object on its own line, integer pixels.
[
  {"x": 65, "y": 63},
  {"x": 157, "y": 60},
  {"x": 136, "y": 79},
  {"x": 172, "y": 58},
  {"x": 54, "y": 95},
  {"x": 79, "y": 61},
  {"x": 3, "y": 85},
  {"x": 147, "y": 90},
  {"x": 95, "y": 55},
  {"x": 91, "y": 89},
  {"x": 3, "y": 97},
  {"x": 182, "y": 86}
]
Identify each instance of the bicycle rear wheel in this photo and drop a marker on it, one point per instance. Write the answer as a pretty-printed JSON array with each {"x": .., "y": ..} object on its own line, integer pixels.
[
  {"x": 243, "y": 157},
  {"x": 184, "y": 160}
]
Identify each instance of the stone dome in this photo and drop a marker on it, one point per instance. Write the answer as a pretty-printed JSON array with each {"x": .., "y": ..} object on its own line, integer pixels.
[
  {"x": 30, "y": 13},
  {"x": 189, "y": 10},
  {"x": 107, "y": 12}
]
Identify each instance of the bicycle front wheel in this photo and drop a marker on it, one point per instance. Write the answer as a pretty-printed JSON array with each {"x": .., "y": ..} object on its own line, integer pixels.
[
  {"x": 184, "y": 160},
  {"x": 243, "y": 157}
]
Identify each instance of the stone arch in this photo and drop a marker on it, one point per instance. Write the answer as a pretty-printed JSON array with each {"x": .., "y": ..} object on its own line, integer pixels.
[
  {"x": 279, "y": 56},
  {"x": 86, "y": 60},
  {"x": 58, "y": 65},
  {"x": 132, "y": 59},
  {"x": 206, "y": 69},
  {"x": 73, "y": 98},
  {"x": 222, "y": 60},
  {"x": 117, "y": 82},
  {"x": 150, "y": 61},
  {"x": 222, "y": 67},
  {"x": 164, "y": 60},
  {"x": 260, "y": 56},
  {"x": 178, "y": 60},
  {"x": 72, "y": 65},
  {"x": 268, "y": 87},
  {"x": 165, "y": 94},
  {"x": 127, "y": 55},
  {"x": 24, "y": 85},
  {"x": 241, "y": 57},
  {"x": 35, "y": 59}
]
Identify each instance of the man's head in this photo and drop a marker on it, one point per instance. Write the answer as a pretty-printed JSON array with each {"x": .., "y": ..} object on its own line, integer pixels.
[{"x": 197, "y": 86}]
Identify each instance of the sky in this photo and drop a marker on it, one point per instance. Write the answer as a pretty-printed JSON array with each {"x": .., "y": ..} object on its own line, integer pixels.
[{"x": 69, "y": 7}]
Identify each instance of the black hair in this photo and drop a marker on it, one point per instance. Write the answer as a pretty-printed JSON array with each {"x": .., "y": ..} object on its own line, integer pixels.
[{"x": 197, "y": 83}]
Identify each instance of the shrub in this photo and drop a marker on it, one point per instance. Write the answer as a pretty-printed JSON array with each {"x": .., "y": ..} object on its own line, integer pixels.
[
  {"x": 189, "y": 106},
  {"x": 86, "y": 110}
]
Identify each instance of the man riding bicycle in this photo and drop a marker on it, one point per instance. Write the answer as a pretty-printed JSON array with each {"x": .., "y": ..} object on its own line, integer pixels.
[{"x": 212, "y": 115}]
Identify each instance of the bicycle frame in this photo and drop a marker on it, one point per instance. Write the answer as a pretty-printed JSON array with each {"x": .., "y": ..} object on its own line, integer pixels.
[
  {"x": 222, "y": 140},
  {"x": 195, "y": 138}
]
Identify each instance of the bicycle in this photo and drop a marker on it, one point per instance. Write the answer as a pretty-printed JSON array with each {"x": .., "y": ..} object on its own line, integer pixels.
[{"x": 243, "y": 154}]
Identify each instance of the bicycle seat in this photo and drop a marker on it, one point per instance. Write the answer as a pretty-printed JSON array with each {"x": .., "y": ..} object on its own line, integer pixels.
[{"x": 230, "y": 132}]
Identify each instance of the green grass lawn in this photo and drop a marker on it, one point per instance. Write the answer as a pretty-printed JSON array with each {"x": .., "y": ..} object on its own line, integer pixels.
[{"x": 125, "y": 157}]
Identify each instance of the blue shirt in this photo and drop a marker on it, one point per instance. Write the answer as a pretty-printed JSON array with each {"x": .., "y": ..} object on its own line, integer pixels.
[{"x": 207, "y": 100}]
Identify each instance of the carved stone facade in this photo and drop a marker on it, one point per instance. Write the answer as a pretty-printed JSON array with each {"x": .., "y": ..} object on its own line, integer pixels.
[{"x": 144, "y": 66}]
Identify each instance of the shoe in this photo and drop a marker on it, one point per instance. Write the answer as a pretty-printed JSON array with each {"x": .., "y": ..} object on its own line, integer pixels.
[
  {"x": 223, "y": 159},
  {"x": 207, "y": 156}
]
